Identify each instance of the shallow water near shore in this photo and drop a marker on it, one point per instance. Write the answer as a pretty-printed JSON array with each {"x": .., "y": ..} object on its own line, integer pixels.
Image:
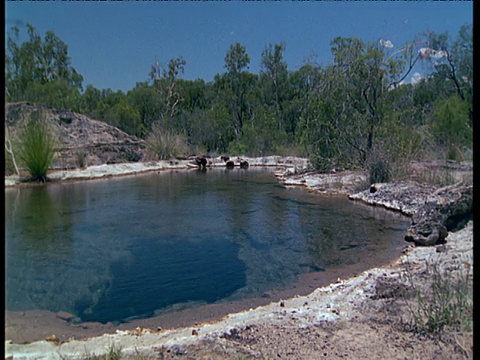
[{"x": 122, "y": 248}]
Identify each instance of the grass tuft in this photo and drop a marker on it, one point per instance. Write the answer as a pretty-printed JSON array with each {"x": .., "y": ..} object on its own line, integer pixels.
[
  {"x": 37, "y": 147},
  {"x": 163, "y": 144},
  {"x": 443, "y": 302}
]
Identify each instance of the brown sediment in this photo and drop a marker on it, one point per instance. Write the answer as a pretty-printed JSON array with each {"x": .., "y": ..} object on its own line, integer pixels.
[{"x": 35, "y": 325}]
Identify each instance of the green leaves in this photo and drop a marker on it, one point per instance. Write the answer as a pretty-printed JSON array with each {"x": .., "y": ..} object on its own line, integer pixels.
[
  {"x": 451, "y": 127},
  {"x": 37, "y": 146},
  {"x": 236, "y": 59},
  {"x": 343, "y": 114},
  {"x": 36, "y": 63}
]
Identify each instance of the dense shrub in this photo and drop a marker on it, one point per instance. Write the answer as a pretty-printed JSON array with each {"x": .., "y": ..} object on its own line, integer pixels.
[
  {"x": 36, "y": 146},
  {"x": 451, "y": 127},
  {"x": 163, "y": 144},
  {"x": 379, "y": 169}
]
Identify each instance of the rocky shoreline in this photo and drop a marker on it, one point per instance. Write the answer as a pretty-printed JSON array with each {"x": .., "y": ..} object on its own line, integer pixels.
[
  {"x": 286, "y": 165},
  {"x": 354, "y": 317}
]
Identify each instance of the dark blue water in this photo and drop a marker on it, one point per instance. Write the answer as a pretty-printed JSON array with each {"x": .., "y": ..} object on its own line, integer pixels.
[{"x": 123, "y": 248}]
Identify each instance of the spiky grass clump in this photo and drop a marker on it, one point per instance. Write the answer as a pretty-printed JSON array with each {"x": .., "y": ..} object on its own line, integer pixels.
[
  {"x": 37, "y": 147},
  {"x": 446, "y": 304},
  {"x": 163, "y": 144}
]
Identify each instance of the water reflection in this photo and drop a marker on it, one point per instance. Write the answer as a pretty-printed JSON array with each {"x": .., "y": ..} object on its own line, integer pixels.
[{"x": 129, "y": 247}]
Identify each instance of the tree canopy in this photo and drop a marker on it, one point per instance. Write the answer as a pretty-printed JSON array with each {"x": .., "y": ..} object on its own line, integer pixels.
[
  {"x": 39, "y": 69},
  {"x": 353, "y": 112}
]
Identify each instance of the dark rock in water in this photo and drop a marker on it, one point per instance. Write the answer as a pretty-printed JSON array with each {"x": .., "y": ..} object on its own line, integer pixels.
[
  {"x": 201, "y": 162},
  {"x": 225, "y": 158},
  {"x": 244, "y": 164},
  {"x": 230, "y": 164}
]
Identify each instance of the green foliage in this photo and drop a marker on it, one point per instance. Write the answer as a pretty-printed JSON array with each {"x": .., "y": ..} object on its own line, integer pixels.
[
  {"x": 207, "y": 129},
  {"x": 36, "y": 63},
  {"x": 352, "y": 113},
  {"x": 165, "y": 84},
  {"x": 451, "y": 126},
  {"x": 379, "y": 169},
  {"x": 236, "y": 59},
  {"x": 125, "y": 117},
  {"x": 274, "y": 80},
  {"x": 36, "y": 147},
  {"x": 58, "y": 94},
  {"x": 163, "y": 144},
  {"x": 147, "y": 102}
]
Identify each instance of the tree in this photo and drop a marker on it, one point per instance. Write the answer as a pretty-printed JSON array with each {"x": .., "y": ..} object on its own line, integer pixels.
[
  {"x": 40, "y": 64},
  {"x": 451, "y": 126},
  {"x": 354, "y": 98},
  {"x": 236, "y": 60},
  {"x": 274, "y": 70},
  {"x": 148, "y": 103},
  {"x": 234, "y": 85},
  {"x": 164, "y": 82},
  {"x": 453, "y": 63},
  {"x": 125, "y": 117},
  {"x": 9, "y": 150},
  {"x": 89, "y": 100}
]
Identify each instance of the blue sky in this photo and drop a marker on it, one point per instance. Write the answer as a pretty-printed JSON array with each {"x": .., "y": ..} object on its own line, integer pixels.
[{"x": 114, "y": 44}]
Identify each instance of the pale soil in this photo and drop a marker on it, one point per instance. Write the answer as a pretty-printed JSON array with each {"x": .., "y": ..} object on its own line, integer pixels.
[{"x": 362, "y": 317}]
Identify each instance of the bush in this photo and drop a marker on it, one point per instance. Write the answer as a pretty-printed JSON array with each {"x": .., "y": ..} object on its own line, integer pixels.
[
  {"x": 451, "y": 126},
  {"x": 36, "y": 147},
  {"x": 163, "y": 144},
  {"x": 379, "y": 169}
]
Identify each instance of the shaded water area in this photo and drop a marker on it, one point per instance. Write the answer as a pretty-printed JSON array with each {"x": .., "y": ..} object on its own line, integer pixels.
[{"x": 122, "y": 248}]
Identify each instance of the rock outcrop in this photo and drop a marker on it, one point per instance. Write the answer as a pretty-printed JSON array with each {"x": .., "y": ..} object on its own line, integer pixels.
[
  {"x": 82, "y": 140},
  {"x": 434, "y": 211},
  {"x": 447, "y": 209}
]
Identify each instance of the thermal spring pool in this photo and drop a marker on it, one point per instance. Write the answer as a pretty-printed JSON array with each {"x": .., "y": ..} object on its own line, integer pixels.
[{"x": 124, "y": 248}]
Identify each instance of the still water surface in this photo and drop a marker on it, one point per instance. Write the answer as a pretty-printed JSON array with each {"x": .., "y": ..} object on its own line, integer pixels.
[{"x": 123, "y": 248}]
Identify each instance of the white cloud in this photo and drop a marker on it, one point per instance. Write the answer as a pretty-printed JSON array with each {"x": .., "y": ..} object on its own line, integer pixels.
[
  {"x": 416, "y": 78},
  {"x": 386, "y": 43},
  {"x": 438, "y": 54},
  {"x": 395, "y": 85},
  {"x": 427, "y": 53}
]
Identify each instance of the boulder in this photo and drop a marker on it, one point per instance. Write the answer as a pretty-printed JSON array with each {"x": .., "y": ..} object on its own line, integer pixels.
[
  {"x": 244, "y": 164},
  {"x": 201, "y": 162},
  {"x": 426, "y": 233},
  {"x": 447, "y": 209}
]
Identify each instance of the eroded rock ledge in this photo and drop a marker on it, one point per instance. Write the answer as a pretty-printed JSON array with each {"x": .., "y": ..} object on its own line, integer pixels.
[{"x": 434, "y": 211}]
